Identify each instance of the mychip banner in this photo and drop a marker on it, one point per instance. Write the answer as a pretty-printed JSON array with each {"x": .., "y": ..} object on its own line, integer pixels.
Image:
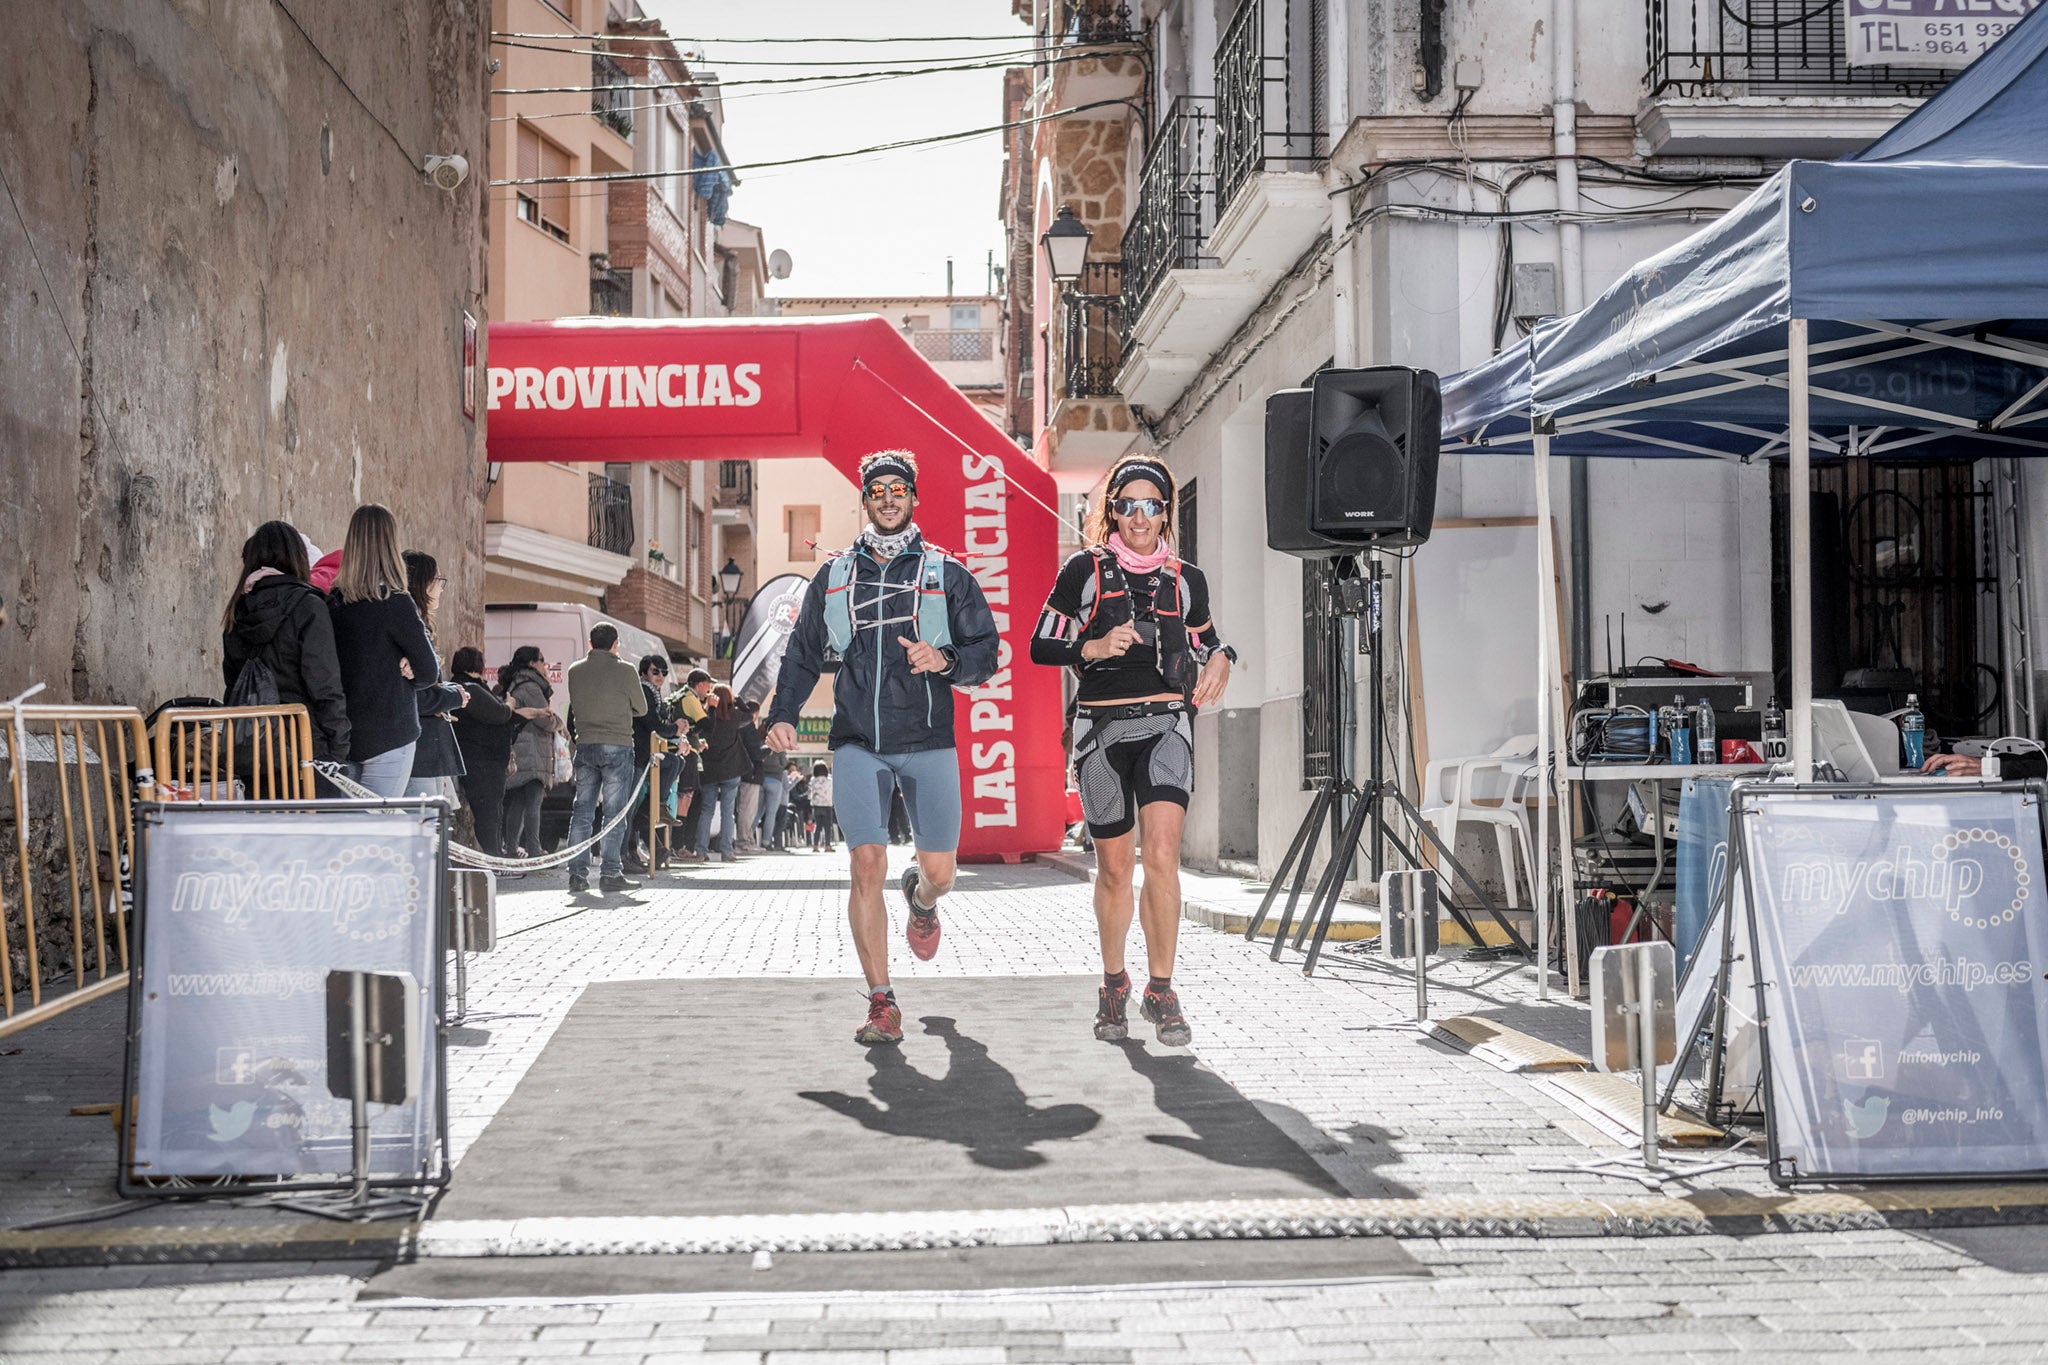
[
  {"x": 244, "y": 910},
  {"x": 1900, "y": 948}
]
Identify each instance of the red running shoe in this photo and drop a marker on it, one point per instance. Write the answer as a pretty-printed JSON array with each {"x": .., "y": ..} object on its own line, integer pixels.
[
  {"x": 923, "y": 927},
  {"x": 1162, "y": 1008},
  {"x": 884, "y": 1023}
]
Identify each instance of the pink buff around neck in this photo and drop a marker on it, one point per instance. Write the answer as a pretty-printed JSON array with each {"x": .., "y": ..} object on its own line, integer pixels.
[{"x": 1132, "y": 561}]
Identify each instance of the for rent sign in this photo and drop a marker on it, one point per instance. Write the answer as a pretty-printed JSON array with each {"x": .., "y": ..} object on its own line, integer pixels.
[
  {"x": 1938, "y": 33},
  {"x": 1901, "y": 943}
]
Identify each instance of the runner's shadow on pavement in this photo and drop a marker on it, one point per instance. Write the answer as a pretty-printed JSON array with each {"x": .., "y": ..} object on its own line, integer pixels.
[
  {"x": 977, "y": 1104},
  {"x": 1233, "y": 1131}
]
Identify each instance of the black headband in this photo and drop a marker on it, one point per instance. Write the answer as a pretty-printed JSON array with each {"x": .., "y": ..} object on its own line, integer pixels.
[
  {"x": 1141, "y": 469},
  {"x": 888, "y": 464}
]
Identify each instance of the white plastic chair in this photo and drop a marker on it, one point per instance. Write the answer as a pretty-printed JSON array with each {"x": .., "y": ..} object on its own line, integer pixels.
[{"x": 1488, "y": 789}]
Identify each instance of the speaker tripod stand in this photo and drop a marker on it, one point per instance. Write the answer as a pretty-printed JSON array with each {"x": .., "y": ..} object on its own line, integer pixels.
[{"x": 1349, "y": 808}]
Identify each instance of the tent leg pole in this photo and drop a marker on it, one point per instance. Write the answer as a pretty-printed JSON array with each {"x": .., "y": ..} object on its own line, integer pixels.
[
  {"x": 1799, "y": 498},
  {"x": 1544, "y": 599}
]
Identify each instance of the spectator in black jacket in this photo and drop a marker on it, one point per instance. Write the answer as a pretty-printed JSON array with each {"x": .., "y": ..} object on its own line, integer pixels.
[
  {"x": 384, "y": 651},
  {"x": 484, "y": 727},
  {"x": 277, "y": 616},
  {"x": 662, "y": 774},
  {"x": 726, "y": 761},
  {"x": 437, "y": 757}
]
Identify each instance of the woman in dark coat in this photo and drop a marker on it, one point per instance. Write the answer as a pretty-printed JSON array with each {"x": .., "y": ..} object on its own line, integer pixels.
[
  {"x": 523, "y": 686},
  {"x": 437, "y": 757},
  {"x": 484, "y": 730},
  {"x": 277, "y": 616},
  {"x": 384, "y": 650},
  {"x": 726, "y": 761}
]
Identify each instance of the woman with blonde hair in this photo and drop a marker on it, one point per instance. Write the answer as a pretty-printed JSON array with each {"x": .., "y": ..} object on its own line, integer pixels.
[
  {"x": 1132, "y": 620},
  {"x": 384, "y": 650}
]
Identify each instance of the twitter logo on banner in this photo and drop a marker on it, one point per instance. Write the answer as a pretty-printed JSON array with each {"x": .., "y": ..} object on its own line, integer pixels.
[
  {"x": 229, "y": 1124},
  {"x": 1865, "y": 1119}
]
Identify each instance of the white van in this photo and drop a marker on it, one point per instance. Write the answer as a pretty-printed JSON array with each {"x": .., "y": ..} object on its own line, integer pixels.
[{"x": 562, "y": 630}]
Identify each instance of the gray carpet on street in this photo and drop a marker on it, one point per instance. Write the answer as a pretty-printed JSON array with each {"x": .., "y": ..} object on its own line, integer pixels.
[{"x": 750, "y": 1097}]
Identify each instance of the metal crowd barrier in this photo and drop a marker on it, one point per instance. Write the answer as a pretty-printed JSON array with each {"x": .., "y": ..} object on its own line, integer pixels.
[
  {"x": 196, "y": 758},
  {"x": 91, "y": 799}
]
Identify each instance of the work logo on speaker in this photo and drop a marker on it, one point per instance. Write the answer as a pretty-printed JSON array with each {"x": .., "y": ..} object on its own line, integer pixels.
[
  {"x": 1898, "y": 938},
  {"x": 245, "y": 914}
]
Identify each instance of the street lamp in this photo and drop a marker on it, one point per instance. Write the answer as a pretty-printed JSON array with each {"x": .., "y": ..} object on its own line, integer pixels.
[
  {"x": 1066, "y": 246},
  {"x": 728, "y": 602}
]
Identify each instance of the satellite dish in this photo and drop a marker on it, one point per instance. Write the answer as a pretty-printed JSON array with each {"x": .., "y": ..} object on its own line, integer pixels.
[{"x": 779, "y": 264}]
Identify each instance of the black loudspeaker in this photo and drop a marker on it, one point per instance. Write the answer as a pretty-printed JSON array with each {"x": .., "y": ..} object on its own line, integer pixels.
[{"x": 1351, "y": 462}]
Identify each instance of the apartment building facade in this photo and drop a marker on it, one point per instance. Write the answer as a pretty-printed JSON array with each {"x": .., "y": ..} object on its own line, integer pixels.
[
  {"x": 1306, "y": 184},
  {"x": 643, "y": 541}
]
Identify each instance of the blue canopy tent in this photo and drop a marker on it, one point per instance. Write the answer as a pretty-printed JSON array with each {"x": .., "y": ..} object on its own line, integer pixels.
[{"x": 1893, "y": 301}]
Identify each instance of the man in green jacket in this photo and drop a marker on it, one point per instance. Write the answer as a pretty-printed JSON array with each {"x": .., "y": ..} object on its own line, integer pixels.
[{"x": 604, "y": 697}]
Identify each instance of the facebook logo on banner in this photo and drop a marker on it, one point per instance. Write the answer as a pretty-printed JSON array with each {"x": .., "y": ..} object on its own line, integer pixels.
[{"x": 1863, "y": 1060}]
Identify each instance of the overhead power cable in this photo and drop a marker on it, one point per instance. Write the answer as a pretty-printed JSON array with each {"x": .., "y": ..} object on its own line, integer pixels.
[
  {"x": 612, "y": 177},
  {"x": 363, "y": 104},
  {"x": 765, "y": 61},
  {"x": 815, "y": 38},
  {"x": 705, "y": 82}
]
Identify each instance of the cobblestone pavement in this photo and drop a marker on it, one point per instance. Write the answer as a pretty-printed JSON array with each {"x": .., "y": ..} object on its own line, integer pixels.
[
  {"x": 1436, "y": 1122},
  {"x": 1778, "y": 1297}
]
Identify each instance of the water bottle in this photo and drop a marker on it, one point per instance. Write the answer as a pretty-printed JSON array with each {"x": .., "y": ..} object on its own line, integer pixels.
[
  {"x": 1774, "y": 721},
  {"x": 1679, "y": 730},
  {"x": 1913, "y": 734},
  {"x": 1703, "y": 729}
]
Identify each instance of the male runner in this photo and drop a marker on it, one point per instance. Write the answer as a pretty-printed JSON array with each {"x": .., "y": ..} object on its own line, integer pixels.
[{"x": 910, "y": 624}]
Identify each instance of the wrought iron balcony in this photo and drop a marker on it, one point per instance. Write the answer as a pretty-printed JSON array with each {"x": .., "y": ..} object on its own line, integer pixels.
[
  {"x": 611, "y": 99},
  {"x": 1729, "y": 48},
  {"x": 1092, "y": 334},
  {"x": 1088, "y": 22},
  {"x": 1271, "y": 72},
  {"x": 611, "y": 293},
  {"x": 1176, "y": 203},
  {"x": 611, "y": 515},
  {"x": 735, "y": 484}
]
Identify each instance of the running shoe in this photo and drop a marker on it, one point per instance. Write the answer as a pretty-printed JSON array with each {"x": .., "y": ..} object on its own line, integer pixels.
[
  {"x": 1110, "y": 1025},
  {"x": 884, "y": 1023},
  {"x": 922, "y": 929},
  {"x": 1162, "y": 1008}
]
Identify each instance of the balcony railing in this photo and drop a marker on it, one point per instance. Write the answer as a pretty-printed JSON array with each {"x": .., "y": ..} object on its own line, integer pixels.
[
  {"x": 943, "y": 344},
  {"x": 611, "y": 99},
  {"x": 1269, "y": 79},
  {"x": 1176, "y": 203},
  {"x": 1728, "y": 48},
  {"x": 735, "y": 484},
  {"x": 611, "y": 293},
  {"x": 611, "y": 515},
  {"x": 1092, "y": 337},
  {"x": 1087, "y": 22}
]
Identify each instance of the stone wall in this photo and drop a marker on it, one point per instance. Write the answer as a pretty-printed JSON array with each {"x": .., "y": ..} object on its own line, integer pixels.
[{"x": 235, "y": 299}]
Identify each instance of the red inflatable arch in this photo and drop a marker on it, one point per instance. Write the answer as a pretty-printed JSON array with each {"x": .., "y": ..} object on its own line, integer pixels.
[{"x": 753, "y": 389}]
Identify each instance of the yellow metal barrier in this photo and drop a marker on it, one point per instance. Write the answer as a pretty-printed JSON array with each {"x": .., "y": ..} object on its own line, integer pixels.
[
  {"x": 196, "y": 757},
  {"x": 90, "y": 747}
]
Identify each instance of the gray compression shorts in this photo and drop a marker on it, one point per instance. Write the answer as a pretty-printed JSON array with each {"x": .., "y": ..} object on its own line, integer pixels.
[
  {"x": 863, "y": 782},
  {"x": 1128, "y": 757}
]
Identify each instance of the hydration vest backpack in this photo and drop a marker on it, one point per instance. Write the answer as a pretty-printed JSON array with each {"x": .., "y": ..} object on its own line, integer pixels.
[
  {"x": 934, "y": 627},
  {"x": 1170, "y": 605}
]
